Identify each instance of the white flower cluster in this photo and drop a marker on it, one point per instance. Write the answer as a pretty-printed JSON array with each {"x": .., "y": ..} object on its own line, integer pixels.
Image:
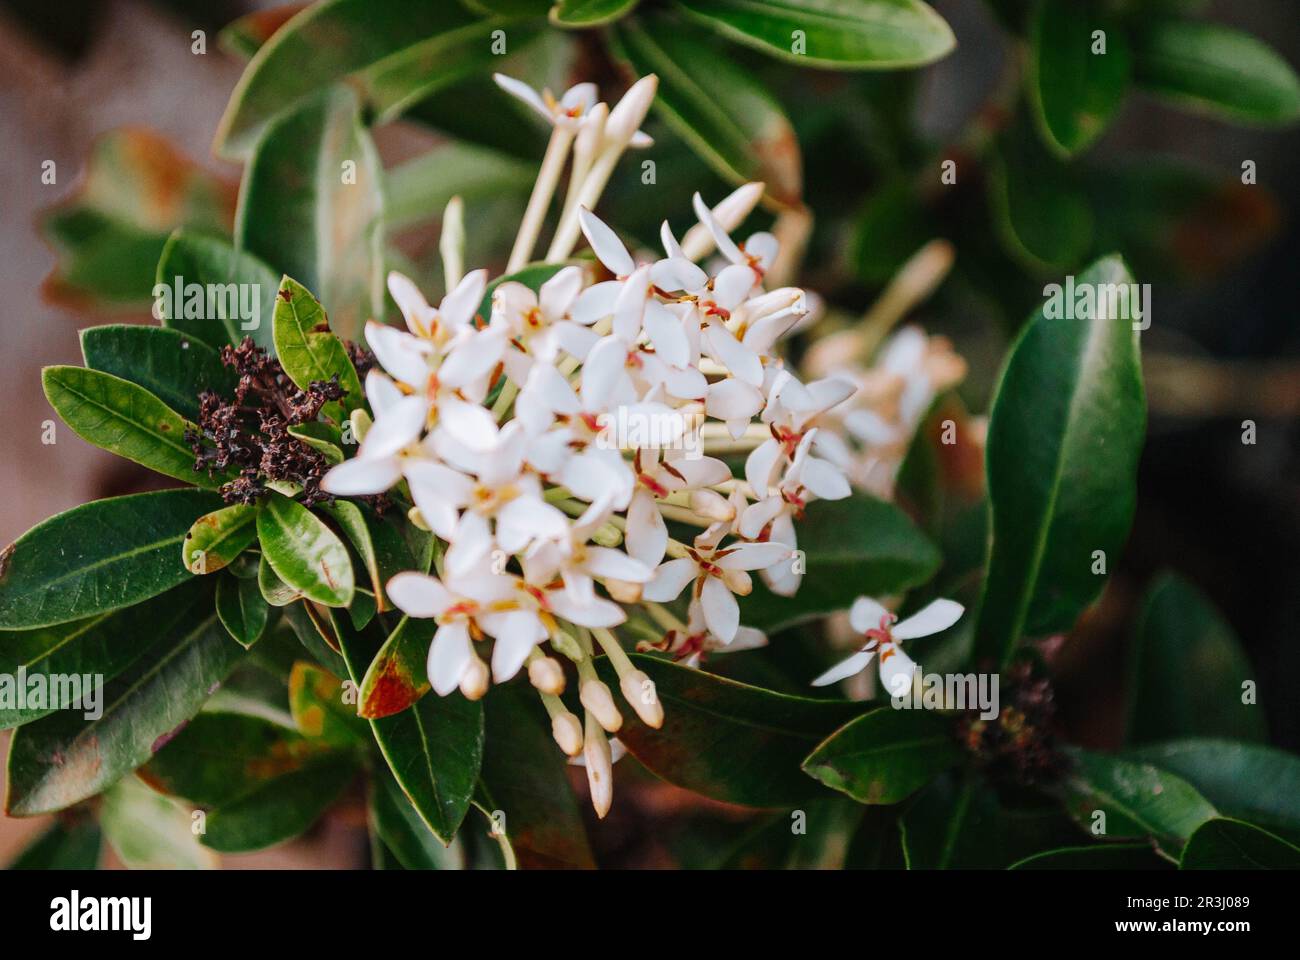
[{"x": 550, "y": 443}]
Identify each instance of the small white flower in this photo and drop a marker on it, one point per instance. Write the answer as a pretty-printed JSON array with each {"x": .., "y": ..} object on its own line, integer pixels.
[
  {"x": 719, "y": 574},
  {"x": 878, "y": 626}
]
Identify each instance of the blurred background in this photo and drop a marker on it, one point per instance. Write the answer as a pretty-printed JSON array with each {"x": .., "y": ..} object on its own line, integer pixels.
[{"x": 1223, "y": 348}]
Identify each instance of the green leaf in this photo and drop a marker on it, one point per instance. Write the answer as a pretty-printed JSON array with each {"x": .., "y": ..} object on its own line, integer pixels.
[
  {"x": 124, "y": 419},
  {"x": 434, "y": 749},
  {"x": 380, "y": 546},
  {"x": 398, "y": 677},
  {"x": 62, "y": 847},
  {"x": 1064, "y": 437},
  {"x": 316, "y": 636},
  {"x": 1138, "y": 800},
  {"x": 1075, "y": 91},
  {"x": 98, "y": 557},
  {"x": 1096, "y": 856},
  {"x": 525, "y": 785},
  {"x": 730, "y": 741},
  {"x": 307, "y": 349},
  {"x": 242, "y": 610},
  {"x": 395, "y": 822},
  {"x": 318, "y": 708},
  {"x": 419, "y": 189},
  {"x": 304, "y": 552},
  {"x": 886, "y": 755},
  {"x": 217, "y": 538},
  {"x": 851, "y": 547},
  {"x": 338, "y": 38},
  {"x": 892, "y": 226},
  {"x": 221, "y": 755},
  {"x": 274, "y": 590},
  {"x": 838, "y": 34},
  {"x": 63, "y": 758},
  {"x": 1188, "y": 671},
  {"x": 312, "y": 208},
  {"x": 1244, "y": 780},
  {"x": 281, "y": 808},
  {"x": 1216, "y": 69},
  {"x": 244, "y": 37},
  {"x": 149, "y": 832},
  {"x": 580, "y": 14},
  {"x": 99, "y": 646},
  {"x": 173, "y": 366},
  {"x": 136, "y": 189},
  {"x": 1225, "y": 844},
  {"x": 324, "y": 438},
  {"x": 719, "y": 108},
  {"x": 242, "y": 286}
]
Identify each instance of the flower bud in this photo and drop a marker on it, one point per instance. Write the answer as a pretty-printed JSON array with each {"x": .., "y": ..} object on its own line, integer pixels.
[
  {"x": 474, "y": 681},
  {"x": 711, "y": 504},
  {"x": 622, "y": 591},
  {"x": 626, "y": 117},
  {"x": 600, "y": 767},
  {"x": 607, "y": 535},
  {"x": 595, "y": 696},
  {"x": 567, "y": 731},
  {"x": 639, "y": 691},
  {"x": 546, "y": 675}
]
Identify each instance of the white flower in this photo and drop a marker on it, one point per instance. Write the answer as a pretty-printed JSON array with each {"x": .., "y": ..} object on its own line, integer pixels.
[
  {"x": 690, "y": 646},
  {"x": 718, "y": 574},
  {"x": 878, "y": 625}
]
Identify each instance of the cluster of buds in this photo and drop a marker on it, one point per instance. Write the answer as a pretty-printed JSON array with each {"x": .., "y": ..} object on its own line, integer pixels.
[
  {"x": 1019, "y": 746},
  {"x": 551, "y": 443}
]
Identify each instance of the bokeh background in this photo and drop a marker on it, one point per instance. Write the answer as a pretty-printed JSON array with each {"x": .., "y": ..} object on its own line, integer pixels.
[{"x": 1224, "y": 346}]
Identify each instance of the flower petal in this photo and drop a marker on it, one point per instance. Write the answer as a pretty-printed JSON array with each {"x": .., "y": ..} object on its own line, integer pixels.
[
  {"x": 721, "y": 612},
  {"x": 358, "y": 477},
  {"x": 670, "y": 579},
  {"x": 419, "y": 595},
  {"x": 449, "y": 655},
  {"x": 935, "y": 616},
  {"x": 845, "y": 668},
  {"x": 605, "y": 243}
]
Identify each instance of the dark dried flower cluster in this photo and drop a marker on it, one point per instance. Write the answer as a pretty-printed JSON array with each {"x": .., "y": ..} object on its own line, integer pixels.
[
  {"x": 251, "y": 431},
  {"x": 1019, "y": 745}
]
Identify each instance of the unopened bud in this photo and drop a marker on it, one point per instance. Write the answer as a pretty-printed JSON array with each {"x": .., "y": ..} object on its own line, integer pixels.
[
  {"x": 595, "y": 696},
  {"x": 622, "y": 591},
  {"x": 474, "y": 682},
  {"x": 626, "y": 117},
  {"x": 639, "y": 691},
  {"x": 600, "y": 767},
  {"x": 607, "y": 535},
  {"x": 361, "y": 424},
  {"x": 546, "y": 675},
  {"x": 417, "y": 519},
  {"x": 567, "y": 731}
]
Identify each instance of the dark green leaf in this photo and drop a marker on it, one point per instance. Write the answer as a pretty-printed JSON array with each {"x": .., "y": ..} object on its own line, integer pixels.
[
  {"x": 242, "y": 289},
  {"x": 886, "y": 755},
  {"x": 72, "y": 846},
  {"x": 242, "y": 610},
  {"x": 1096, "y": 856},
  {"x": 1189, "y": 672},
  {"x": 1040, "y": 209},
  {"x": 172, "y": 365},
  {"x": 854, "y": 547},
  {"x": 304, "y": 552},
  {"x": 274, "y": 590},
  {"x": 395, "y": 822},
  {"x": 839, "y": 34},
  {"x": 217, "y": 538},
  {"x": 1233, "y": 845},
  {"x": 124, "y": 419},
  {"x": 306, "y": 347},
  {"x": 580, "y": 14},
  {"x": 1064, "y": 436},
  {"x": 728, "y": 740},
  {"x": 98, "y": 557}
]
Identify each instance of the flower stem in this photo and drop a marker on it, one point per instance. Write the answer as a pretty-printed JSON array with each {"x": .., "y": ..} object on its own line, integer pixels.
[{"x": 557, "y": 150}]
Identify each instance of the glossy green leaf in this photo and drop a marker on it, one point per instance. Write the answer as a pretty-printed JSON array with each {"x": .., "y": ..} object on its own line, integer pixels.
[
  {"x": 102, "y": 645},
  {"x": 398, "y": 677},
  {"x": 525, "y": 788},
  {"x": 381, "y": 548},
  {"x": 242, "y": 610},
  {"x": 1189, "y": 674},
  {"x": 1138, "y": 800},
  {"x": 149, "y": 832},
  {"x": 63, "y": 846},
  {"x": 854, "y": 547},
  {"x": 730, "y": 741},
  {"x": 305, "y": 553},
  {"x": 1064, "y": 437},
  {"x": 274, "y": 590},
  {"x": 222, "y": 754},
  {"x": 242, "y": 290},
  {"x": 580, "y": 14},
  {"x": 312, "y": 208},
  {"x": 280, "y": 809},
  {"x": 173, "y": 366},
  {"x": 716, "y": 106},
  {"x": 1225, "y": 844},
  {"x": 124, "y": 419},
  {"x": 434, "y": 749},
  {"x": 316, "y": 635},
  {"x": 1096, "y": 856},
  {"x": 826, "y": 832},
  {"x": 1040, "y": 209},
  {"x": 307, "y": 349},
  {"x": 316, "y": 702},
  {"x": 886, "y": 755},
  {"x": 395, "y": 822},
  {"x": 107, "y": 235},
  {"x": 1243, "y": 780},
  {"x": 838, "y": 34},
  {"x": 331, "y": 40},
  {"x": 217, "y": 538},
  {"x": 1216, "y": 69},
  {"x": 321, "y": 437},
  {"x": 100, "y": 556},
  {"x": 63, "y": 758},
  {"x": 1076, "y": 84}
]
